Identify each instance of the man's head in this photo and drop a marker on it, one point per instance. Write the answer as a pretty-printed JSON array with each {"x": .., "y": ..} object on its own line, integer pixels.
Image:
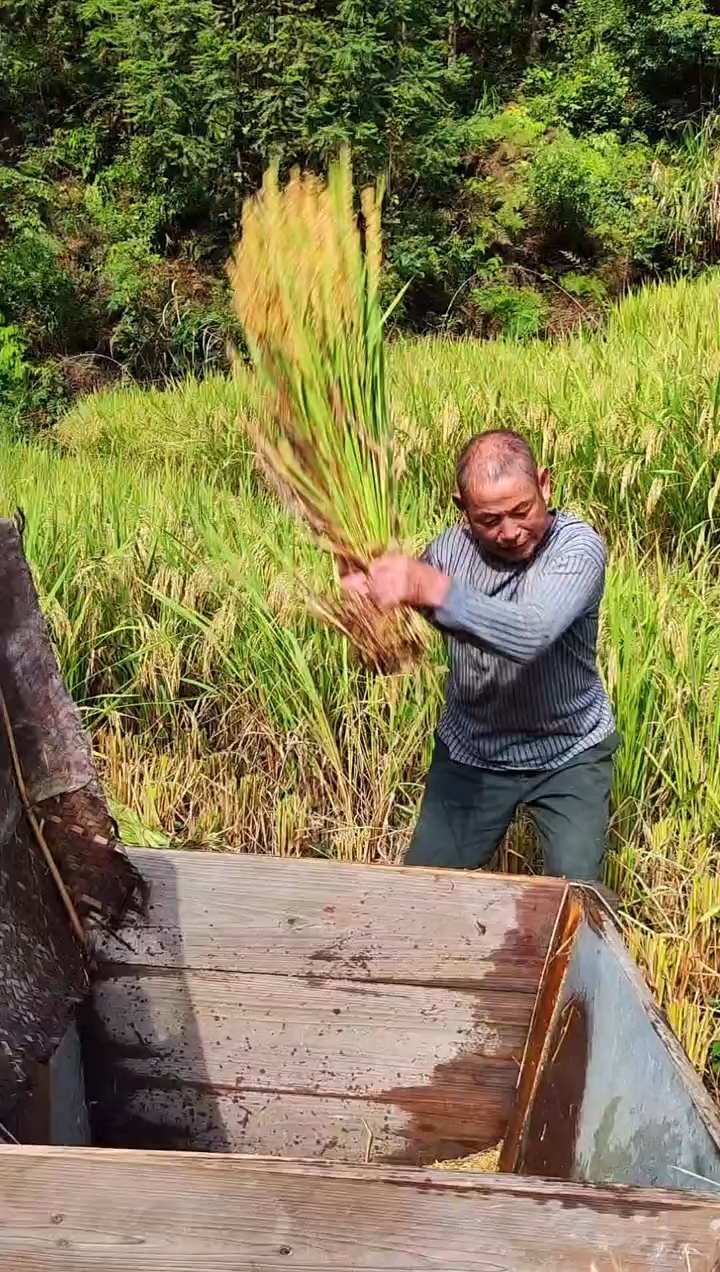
[{"x": 503, "y": 494}]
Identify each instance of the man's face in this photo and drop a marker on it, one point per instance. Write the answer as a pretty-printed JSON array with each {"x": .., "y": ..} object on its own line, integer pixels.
[{"x": 509, "y": 516}]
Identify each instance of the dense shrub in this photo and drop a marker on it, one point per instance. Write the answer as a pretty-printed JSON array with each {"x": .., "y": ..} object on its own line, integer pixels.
[
  {"x": 517, "y": 312},
  {"x": 591, "y": 94},
  {"x": 586, "y": 189}
]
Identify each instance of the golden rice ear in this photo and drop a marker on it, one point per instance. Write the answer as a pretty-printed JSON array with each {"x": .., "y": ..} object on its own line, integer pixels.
[
  {"x": 370, "y": 201},
  {"x": 305, "y": 283}
]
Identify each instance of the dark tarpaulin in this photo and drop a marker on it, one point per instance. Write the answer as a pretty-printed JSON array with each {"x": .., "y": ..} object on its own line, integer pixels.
[{"x": 43, "y": 972}]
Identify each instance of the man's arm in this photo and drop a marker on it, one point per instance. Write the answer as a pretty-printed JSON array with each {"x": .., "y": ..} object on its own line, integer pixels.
[
  {"x": 520, "y": 630},
  {"x": 523, "y": 630}
]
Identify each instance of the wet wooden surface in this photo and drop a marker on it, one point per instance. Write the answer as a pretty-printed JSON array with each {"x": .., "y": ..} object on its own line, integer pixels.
[
  {"x": 328, "y": 1128},
  {"x": 450, "y": 1056},
  {"x": 380, "y": 1005},
  {"x": 243, "y": 913},
  {"x": 87, "y": 1211},
  {"x": 285, "y": 1033}
]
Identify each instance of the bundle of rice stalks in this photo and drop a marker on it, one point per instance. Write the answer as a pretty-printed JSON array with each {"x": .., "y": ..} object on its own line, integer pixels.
[{"x": 305, "y": 281}]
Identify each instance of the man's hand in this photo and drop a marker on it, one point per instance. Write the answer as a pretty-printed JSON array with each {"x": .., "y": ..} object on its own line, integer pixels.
[{"x": 394, "y": 580}]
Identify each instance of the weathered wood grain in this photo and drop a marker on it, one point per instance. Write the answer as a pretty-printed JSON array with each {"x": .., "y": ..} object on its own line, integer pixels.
[
  {"x": 318, "y": 918},
  {"x": 88, "y": 1211},
  {"x": 327, "y": 1128},
  {"x": 279, "y": 1033},
  {"x": 446, "y": 1060},
  {"x": 367, "y": 1002}
]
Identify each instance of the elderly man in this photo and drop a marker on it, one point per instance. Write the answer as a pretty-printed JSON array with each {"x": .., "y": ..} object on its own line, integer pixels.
[{"x": 515, "y": 589}]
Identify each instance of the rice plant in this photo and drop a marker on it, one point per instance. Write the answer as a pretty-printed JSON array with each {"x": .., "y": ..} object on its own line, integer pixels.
[
  {"x": 689, "y": 202},
  {"x": 306, "y": 290}
]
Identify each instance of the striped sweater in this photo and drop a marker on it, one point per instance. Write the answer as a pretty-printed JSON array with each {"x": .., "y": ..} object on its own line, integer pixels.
[{"x": 523, "y": 689}]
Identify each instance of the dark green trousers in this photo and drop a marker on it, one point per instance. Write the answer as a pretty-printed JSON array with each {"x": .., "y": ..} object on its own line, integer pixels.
[{"x": 466, "y": 811}]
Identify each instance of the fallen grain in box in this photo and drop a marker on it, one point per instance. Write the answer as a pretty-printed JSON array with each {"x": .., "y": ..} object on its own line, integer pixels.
[{"x": 487, "y": 1161}]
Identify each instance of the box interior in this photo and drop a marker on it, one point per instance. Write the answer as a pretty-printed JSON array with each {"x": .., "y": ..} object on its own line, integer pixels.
[
  {"x": 307, "y": 1010},
  {"x": 312, "y": 1011}
]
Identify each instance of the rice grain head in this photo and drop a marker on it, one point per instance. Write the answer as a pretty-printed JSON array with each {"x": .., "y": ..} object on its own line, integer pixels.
[{"x": 305, "y": 285}]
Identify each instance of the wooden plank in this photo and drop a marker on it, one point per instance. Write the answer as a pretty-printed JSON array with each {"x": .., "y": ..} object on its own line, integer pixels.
[
  {"x": 447, "y": 1060},
  {"x": 279, "y": 1033},
  {"x": 76, "y": 1210},
  {"x": 540, "y": 1032},
  {"x": 226, "y": 912},
  {"x": 327, "y": 1128},
  {"x": 616, "y": 1098},
  {"x": 69, "y": 1122}
]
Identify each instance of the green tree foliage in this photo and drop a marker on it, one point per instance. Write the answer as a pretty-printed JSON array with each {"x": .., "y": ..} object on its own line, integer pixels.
[
  {"x": 667, "y": 49},
  {"x": 521, "y": 141}
]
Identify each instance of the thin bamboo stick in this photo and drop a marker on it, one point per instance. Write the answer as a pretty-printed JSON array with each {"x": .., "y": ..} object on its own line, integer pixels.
[{"x": 76, "y": 925}]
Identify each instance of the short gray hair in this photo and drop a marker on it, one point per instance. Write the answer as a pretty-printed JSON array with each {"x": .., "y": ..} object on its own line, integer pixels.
[{"x": 491, "y": 455}]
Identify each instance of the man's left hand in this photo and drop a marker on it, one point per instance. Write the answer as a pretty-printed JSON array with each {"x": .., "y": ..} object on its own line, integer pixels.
[{"x": 394, "y": 580}]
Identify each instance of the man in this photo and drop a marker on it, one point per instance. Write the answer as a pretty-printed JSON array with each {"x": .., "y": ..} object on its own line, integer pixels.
[{"x": 515, "y": 589}]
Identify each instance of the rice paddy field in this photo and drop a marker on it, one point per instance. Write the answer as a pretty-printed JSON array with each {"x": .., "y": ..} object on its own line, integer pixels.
[{"x": 224, "y": 714}]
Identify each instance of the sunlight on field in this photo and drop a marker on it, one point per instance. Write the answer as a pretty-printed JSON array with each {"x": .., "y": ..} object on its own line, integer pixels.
[{"x": 224, "y": 715}]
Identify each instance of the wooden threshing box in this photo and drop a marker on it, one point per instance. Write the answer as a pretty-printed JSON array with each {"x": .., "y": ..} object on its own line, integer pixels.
[{"x": 275, "y": 1053}]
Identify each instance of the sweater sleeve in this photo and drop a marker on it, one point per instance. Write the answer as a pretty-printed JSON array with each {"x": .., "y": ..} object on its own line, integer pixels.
[
  {"x": 431, "y": 557},
  {"x": 522, "y": 630}
]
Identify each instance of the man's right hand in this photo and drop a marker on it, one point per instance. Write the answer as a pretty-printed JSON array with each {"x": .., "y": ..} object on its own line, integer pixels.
[
  {"x": 353, "y": 581},
  {"x": 394, "y": 579}
]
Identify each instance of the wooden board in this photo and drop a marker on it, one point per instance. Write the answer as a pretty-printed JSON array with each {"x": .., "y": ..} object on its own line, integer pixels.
[
  {"x": 445, "y": 1062},
  {"x": 317, "y": 918},
  {"x": 54, "y": 1110},
  {"x": 370, "y": 1004},
  {"x": 279, "y": 1033},
  {"x": 614, "y": 1097},
  {"x": 87, "y": 1211},
  {"x": 329, "y": 1128}
]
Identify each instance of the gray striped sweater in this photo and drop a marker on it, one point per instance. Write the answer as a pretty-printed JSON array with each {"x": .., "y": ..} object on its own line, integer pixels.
[{"x": 523, "y": 689}]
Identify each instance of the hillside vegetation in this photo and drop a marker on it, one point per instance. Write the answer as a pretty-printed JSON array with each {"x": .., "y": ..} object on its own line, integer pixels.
[
  {"x": 223, "y": 714},
  {"x": 539, "y": 159}
]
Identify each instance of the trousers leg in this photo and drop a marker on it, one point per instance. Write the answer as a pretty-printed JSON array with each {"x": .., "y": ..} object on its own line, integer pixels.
[
  {"x": 464, "y": 814},
  {"x": 571, "y": 808}
]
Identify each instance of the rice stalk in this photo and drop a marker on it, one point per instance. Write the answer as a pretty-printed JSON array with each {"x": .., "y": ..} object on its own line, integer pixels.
[{"x": 306, "y": 289}]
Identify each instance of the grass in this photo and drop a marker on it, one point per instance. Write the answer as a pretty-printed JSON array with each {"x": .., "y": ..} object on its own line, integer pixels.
[{"x": 224, "y": 714}]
